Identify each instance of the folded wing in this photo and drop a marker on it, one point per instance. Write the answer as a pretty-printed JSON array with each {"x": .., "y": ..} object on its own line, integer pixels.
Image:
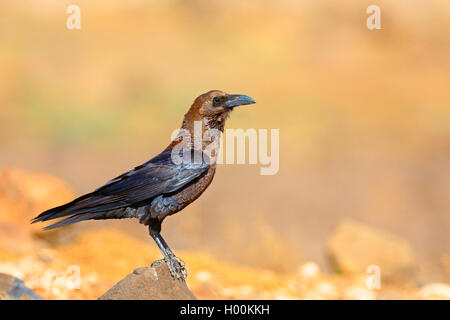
[{"x": 134, "y": 188}]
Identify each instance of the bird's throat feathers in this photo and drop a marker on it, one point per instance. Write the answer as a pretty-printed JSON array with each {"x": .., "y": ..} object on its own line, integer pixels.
[
  {"x": 200, "y": 133},
  {"x": 214, "y": 121}
]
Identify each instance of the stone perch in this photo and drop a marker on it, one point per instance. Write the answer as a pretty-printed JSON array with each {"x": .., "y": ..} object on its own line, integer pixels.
[
  {"x": 14, "y": 289},
  {"x": 149, "y": 283}
]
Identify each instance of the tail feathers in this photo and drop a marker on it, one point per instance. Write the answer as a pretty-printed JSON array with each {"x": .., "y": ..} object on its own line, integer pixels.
[
  {"x": 84, "y": 208},
  {"x": 120, "y": 213},
  {"x": 58, "y": 212},
  {"x": 72, "y": 219},
  {"x": 86, "y": 204}
]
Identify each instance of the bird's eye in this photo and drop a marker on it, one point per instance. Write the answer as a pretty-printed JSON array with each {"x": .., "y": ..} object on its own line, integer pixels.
[{"x": 216, "y": 100}]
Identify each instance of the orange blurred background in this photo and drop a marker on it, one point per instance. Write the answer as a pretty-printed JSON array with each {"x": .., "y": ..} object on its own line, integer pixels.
[{"x": 364, "y": 116}]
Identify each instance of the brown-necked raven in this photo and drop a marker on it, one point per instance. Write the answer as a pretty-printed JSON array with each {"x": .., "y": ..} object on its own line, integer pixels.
[{"x": 163, "y": 185}]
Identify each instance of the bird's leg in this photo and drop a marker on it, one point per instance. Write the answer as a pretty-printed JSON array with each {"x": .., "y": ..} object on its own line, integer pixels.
[{"x": 176, "y": 265}]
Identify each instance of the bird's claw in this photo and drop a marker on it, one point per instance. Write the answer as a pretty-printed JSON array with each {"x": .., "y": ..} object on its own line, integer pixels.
[{"x": 176, "y": 266}]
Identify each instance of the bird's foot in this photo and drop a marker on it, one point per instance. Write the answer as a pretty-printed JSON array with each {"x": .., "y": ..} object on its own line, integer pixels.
[{"x": 176, "y": 266}]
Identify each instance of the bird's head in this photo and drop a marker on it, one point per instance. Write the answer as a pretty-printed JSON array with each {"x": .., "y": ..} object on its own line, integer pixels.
[{"x": 215, "y": 106}]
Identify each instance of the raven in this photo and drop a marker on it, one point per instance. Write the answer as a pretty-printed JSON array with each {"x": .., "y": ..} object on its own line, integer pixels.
[{"x": 165, "y": 184}]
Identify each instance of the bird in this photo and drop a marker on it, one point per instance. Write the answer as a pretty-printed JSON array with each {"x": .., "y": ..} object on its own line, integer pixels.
[{"x": 165, "y": 184}]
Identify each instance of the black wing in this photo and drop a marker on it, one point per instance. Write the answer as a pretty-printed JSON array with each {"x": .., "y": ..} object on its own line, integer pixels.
[{"x": 159, "y": 175}]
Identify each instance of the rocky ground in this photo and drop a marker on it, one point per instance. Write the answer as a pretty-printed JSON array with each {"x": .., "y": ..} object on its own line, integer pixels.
[{"x": 84, "y": 263}]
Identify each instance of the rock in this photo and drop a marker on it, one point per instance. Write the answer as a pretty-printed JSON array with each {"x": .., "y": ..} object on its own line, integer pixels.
[
  {"x": 353, "y": 247},
  {"x": 435, "y": 291},
  {"x": 14, "y": 289},
  {"x": 149, "y": 284},
  {"x": 14, "y": 238},
  {"x": 24, "y": 194}
]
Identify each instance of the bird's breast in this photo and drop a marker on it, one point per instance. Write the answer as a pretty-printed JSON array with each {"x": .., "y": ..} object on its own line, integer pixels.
[{"x": 166, "y": 205}]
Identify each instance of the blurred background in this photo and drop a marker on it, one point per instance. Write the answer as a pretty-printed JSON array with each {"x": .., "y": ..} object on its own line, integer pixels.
[{"x": 364, "y": 115}]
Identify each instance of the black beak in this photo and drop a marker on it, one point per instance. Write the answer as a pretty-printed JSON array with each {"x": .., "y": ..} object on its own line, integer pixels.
[{"x": 234, "y": 100}]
